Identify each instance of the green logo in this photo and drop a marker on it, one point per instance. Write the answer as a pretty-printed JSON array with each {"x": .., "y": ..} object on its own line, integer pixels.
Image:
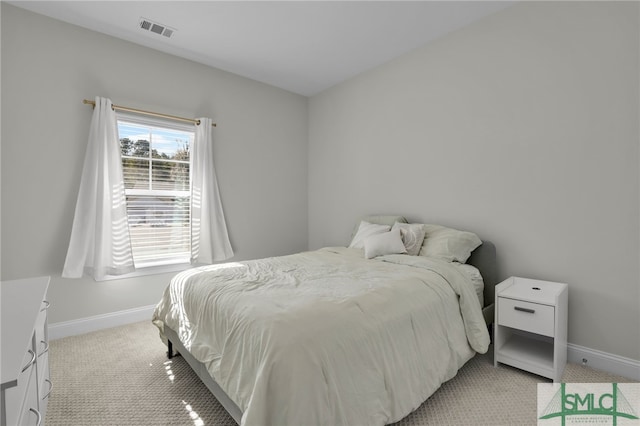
[{"x": 604, "y": 403}]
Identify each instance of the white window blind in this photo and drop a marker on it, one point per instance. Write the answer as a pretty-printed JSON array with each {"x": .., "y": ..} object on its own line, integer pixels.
[{"x": 156, "y": 169}]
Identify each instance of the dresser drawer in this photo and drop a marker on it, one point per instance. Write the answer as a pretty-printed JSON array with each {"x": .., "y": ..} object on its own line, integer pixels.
[
  {"x": 16, "y": 396},
  {"x": 30, "y": 415},
  {"x": 44, "y": 379},
  {"x": 531, "y": 317},
  {"x": 45, "y": 386}
]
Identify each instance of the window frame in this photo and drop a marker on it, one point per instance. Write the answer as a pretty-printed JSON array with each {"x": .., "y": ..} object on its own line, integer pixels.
[{"x": 167, "y": 265}]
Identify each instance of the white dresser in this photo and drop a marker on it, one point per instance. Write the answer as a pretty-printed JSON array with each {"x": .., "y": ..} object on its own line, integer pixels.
[{"x": 25, "y": 383}]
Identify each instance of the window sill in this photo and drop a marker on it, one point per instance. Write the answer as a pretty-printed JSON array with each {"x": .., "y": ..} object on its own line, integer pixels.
[{"x": 150, "y": 270}]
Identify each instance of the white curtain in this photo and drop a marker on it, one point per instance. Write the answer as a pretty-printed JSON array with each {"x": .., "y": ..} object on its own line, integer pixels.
[
  {"x": 100, "y": 243},
  {"x": 209, "y": 237}
]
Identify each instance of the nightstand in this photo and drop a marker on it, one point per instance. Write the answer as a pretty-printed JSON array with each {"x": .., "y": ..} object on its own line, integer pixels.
[{"x": 531, "y": 326}]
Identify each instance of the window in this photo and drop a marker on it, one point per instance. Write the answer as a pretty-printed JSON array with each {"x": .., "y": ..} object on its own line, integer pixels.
[{"x": 156, "y": 169}]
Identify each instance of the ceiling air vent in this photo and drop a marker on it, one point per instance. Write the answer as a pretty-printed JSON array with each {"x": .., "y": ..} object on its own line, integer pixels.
[{"x": 155, "y": 27}]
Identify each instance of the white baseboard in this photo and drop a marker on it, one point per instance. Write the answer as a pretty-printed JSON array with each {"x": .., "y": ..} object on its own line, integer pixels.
[
  {"x": 604, "y": 361},
  {"x": 99, "y": 322}
]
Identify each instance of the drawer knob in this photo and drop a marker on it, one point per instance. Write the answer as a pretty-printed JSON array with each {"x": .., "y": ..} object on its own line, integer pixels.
[
  {"x": 37, "y": 413},
  {"x": 46, "y": 347},
  {"x": 50, "y": 389},
  {"x": 30, "y": 363},
  {"x": 527, "y": 310}
]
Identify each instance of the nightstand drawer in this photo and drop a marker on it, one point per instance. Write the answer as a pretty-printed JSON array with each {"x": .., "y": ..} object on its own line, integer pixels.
[{"x": 531, "y": 317}]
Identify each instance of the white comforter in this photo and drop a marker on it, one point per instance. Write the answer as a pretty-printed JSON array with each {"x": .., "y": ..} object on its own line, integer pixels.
[{"x": 327, "y": 337}]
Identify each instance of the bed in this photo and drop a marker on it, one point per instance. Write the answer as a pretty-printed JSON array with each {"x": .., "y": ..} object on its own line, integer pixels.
[{"x": 340, "y": 335}]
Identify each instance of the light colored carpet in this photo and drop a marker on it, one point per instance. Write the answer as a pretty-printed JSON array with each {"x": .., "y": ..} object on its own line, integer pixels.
[{"x": 121, "y": 376}]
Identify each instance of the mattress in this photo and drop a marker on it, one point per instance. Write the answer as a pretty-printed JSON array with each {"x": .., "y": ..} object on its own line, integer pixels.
[{"x": 327, "y": 337}]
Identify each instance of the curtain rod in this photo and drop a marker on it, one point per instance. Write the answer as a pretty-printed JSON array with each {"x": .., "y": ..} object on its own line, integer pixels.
[{"x": 154, "y": 114}]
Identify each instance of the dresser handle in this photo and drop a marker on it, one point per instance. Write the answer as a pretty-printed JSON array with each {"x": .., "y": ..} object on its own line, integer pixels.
[
  {"x": 527, "y": 310},
  {"x": 37, "y": 413},
  {"x": 30, "y": 363},
  {"x": 47, "y": 305},
  {"x": 50, "y": 389},
  {"x": 46, "y": 348}
]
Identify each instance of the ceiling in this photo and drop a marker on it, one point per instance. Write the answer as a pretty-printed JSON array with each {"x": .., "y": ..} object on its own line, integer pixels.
[{"x": 301, "y": 46}]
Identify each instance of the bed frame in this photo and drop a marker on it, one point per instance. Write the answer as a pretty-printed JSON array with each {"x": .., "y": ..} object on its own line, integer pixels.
[
  {"x": 175, "y": 347},
  {"x": 483, "y": 258}
]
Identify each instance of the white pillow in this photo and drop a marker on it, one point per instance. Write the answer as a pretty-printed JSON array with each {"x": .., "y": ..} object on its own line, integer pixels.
[
  {"x": 365, "y": 230},
  {"x": 378, "y": 220},
  {"x": 386, "y": 243},
  {"x": 412, "y": 236}
]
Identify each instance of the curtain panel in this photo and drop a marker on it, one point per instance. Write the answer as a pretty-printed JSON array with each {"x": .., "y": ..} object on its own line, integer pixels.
[
  {"x": 209, "y": 236},
  {"x": 100, "y": 243}
]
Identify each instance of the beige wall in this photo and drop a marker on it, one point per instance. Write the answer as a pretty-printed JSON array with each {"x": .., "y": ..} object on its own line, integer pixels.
[
  {"x": 522, "y": 127},
  {"x": 48, "y": 67}
]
